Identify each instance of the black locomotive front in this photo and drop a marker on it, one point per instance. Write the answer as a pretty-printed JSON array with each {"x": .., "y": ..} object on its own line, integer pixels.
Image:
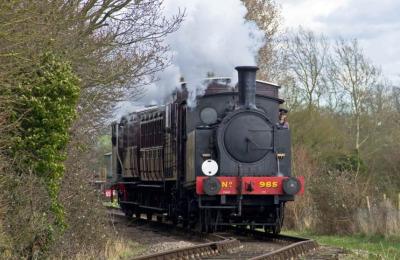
[
  {"x": 252, "y": 154},
  {"x": 226, "y": 161}
]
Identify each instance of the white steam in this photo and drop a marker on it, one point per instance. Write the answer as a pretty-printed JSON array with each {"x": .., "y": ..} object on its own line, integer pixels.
[{"x": 214, "y": 37}]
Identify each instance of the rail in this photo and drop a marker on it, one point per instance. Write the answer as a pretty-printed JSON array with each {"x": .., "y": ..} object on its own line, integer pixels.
[
  {"x": 197, "y": 251},
  {"x": 224, "y": 243}
]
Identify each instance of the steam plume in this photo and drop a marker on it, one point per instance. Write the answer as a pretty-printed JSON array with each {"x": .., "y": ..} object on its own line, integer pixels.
[{"x": 214, "y": 37}]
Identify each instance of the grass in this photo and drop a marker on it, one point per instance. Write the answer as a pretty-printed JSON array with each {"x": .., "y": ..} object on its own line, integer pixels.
[
  {"x": 113, "y": 204},
  {"x": 124, "y": 250},
  {"x": 362, "y": 247},
  {"x": 114, "y": 250}
]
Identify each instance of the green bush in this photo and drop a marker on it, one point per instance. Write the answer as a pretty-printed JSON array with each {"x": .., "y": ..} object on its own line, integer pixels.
[
  {"x": 345, "y": 162},
  {"x": 44, "y": 108}
]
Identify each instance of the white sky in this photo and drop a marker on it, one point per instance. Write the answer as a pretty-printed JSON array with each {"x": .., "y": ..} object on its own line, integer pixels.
[
  {"x": 200, "y": 45},
  {"x": 375, "y": 23}
]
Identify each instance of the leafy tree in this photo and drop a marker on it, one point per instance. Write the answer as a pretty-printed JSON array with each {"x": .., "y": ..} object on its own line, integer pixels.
[
  {"x": 114, "y": 47},
  {"x": 45, "y": 106}
]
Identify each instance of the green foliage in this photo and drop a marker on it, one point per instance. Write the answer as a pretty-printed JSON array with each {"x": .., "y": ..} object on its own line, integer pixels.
[
  {"x": 45, "y": 107},
  {"x": 319, "y": 131},
  {"x": 104, "y": 142},
  {"x": 345, "y": 162},
  {"x": 324, "y": 135}
]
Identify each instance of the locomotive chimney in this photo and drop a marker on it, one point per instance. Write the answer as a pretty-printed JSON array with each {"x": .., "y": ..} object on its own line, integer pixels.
[{"x": 247, "y": 86}]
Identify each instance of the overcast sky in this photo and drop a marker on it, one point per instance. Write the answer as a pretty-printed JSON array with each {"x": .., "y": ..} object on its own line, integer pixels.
[
  {"x": 200, "y": 44},
  {"x": 375, "y": 23}
]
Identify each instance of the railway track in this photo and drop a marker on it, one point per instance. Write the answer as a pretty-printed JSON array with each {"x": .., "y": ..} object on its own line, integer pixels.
[{"x": 250, "y": 244}]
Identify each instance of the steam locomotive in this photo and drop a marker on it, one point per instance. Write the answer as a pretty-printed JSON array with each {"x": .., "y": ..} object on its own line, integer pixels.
[{"x": 224, "y": 162}]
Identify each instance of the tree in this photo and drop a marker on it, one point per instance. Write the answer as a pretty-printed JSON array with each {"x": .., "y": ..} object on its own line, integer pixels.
[
  {"x": 265, "y": 13},
  {"x": 355, "y": 76},
  {"x": 114, "y": 46},
  {"x": 396, "y": 98},
  {"x": 44, "y": 107},
  {"x": 306, "y": 56}
]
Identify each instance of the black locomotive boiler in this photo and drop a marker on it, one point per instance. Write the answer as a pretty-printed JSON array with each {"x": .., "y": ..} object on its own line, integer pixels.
[{"x": 225, "y": 161}]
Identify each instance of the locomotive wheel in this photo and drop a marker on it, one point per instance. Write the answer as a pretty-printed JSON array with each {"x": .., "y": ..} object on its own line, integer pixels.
[
  {"x": 190, "y": 216},
  {"x": 189, "y": 223},
  {"x": 279, "y": 220},
  {"x": 137, "y": 214},
  {"x": 205, "y": 221},
  {"x": 185, "y": 223},
  {"x": 128, "y": 213},
  {"x": 240, "y": 229},
  {"x": 185, "y": 219},
  {"x": 276, "y": 229},
  {"x": 174, "y": 220},
  {"x": 277, "y": 226},
  {"x": 192, "y": 224}
]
